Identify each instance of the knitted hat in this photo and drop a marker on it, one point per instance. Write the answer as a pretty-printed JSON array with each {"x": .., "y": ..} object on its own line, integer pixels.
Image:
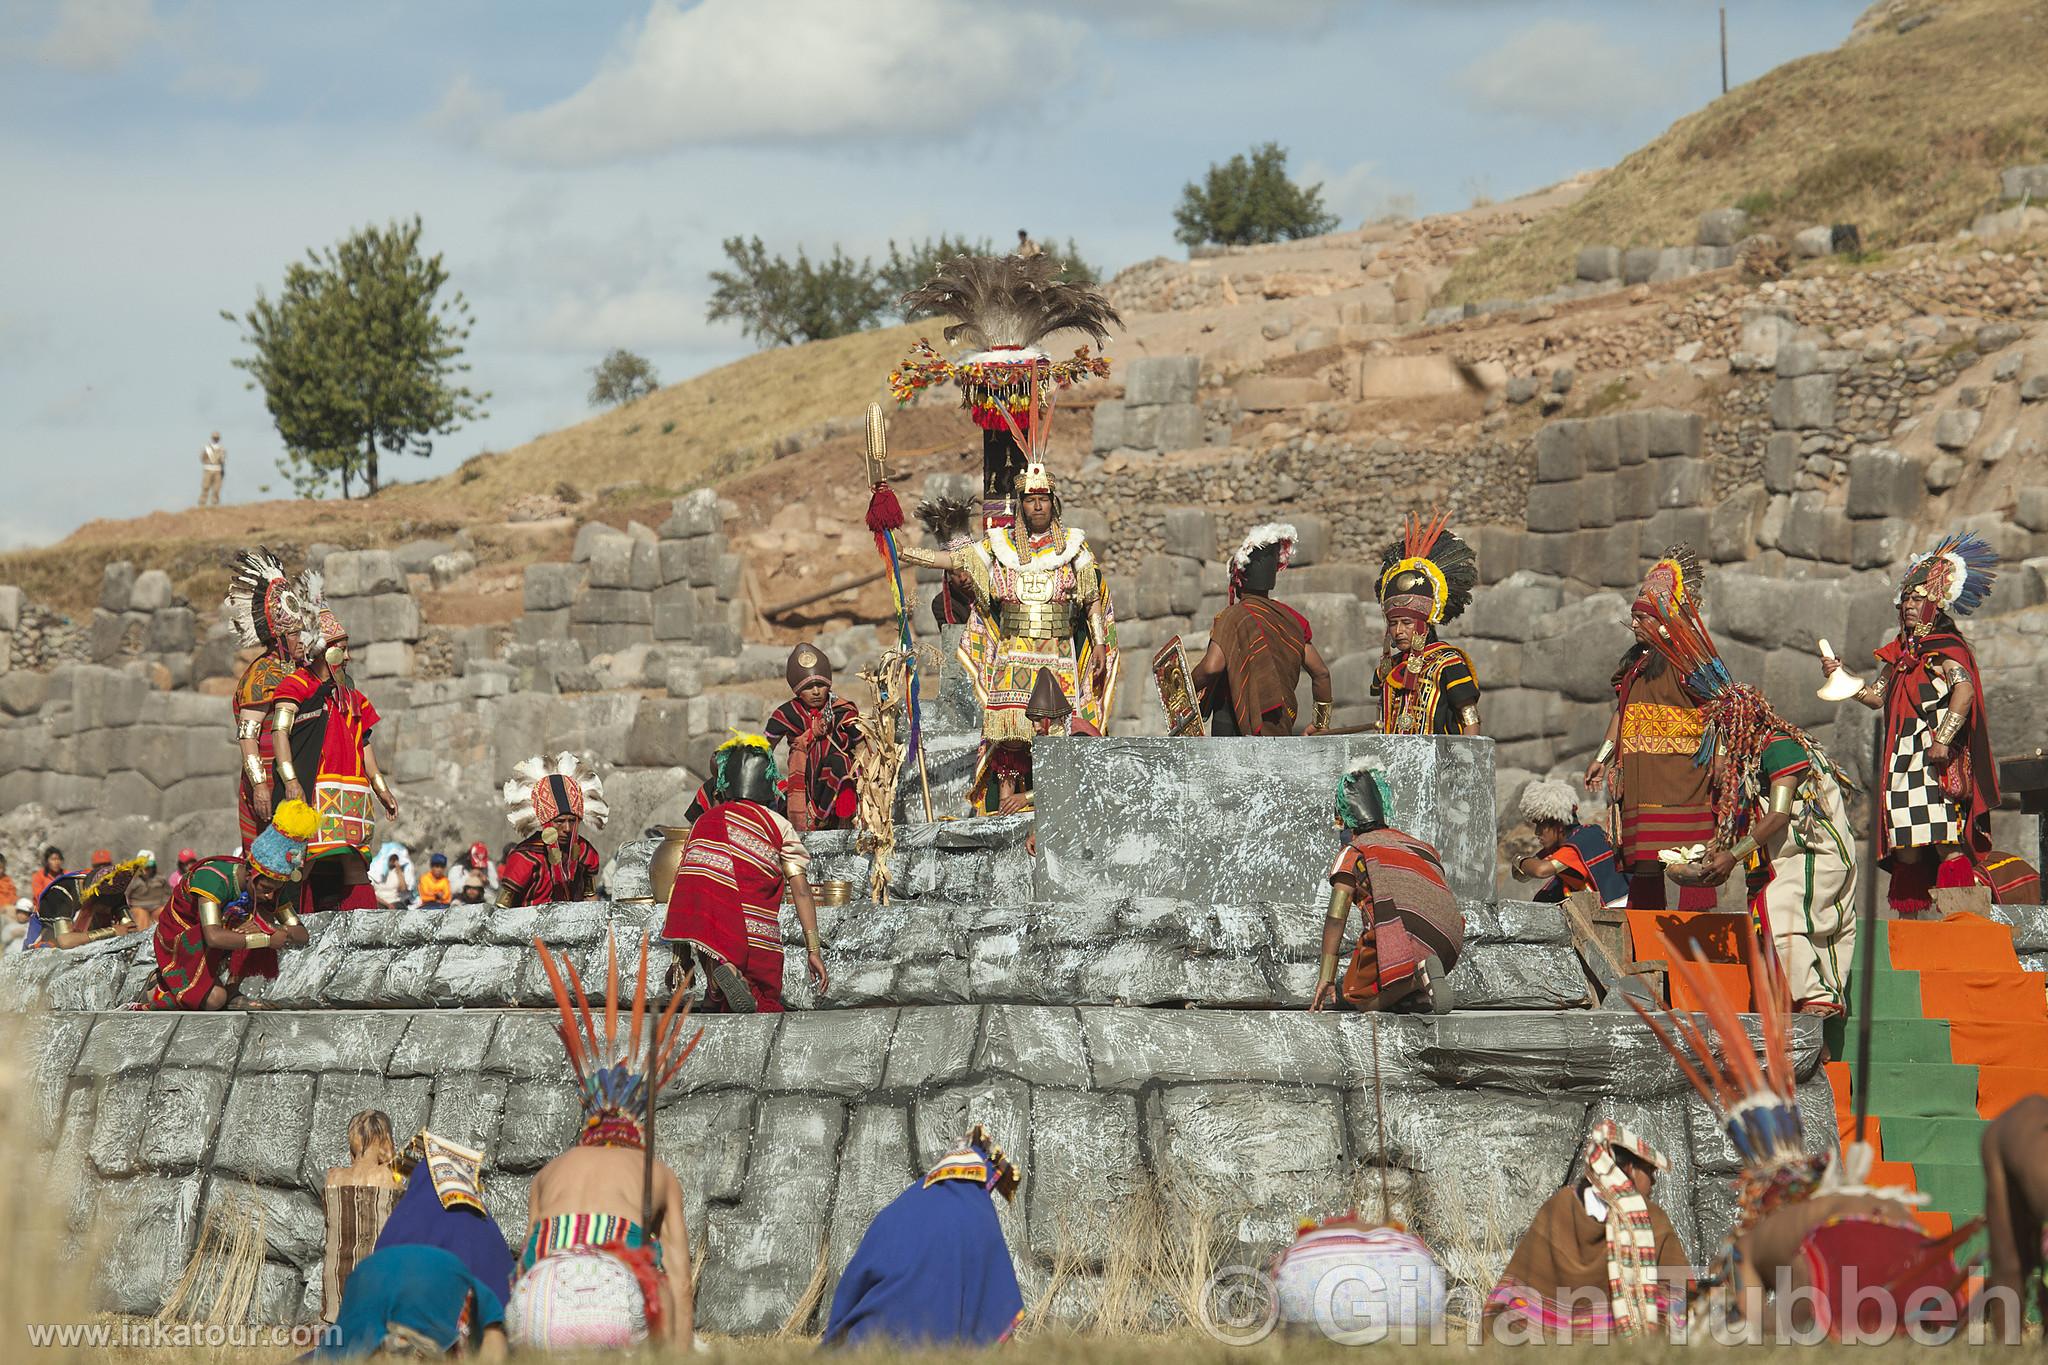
[
  {"x": 279, "y": 852},
  {"x": 807, "y": 664}
]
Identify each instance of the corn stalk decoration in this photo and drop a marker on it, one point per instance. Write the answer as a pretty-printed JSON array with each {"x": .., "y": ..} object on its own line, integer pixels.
[{"x": 878, "y": 763}]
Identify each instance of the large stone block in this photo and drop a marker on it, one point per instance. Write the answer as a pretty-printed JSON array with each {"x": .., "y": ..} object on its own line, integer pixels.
[
  {"x": 1879, "y": 544},
  {"x": 694, "y": 514},
  {"x": 1560, "y": 453},
  {"x": 1884, "y": 483},
  {"x": 1776, "y": 613},
  {"x": 385, "y": 617},
  {"x": 264, "y": 1127},
  {"x": 1155, "y": 380},
  {"x": 1806, "y": 403},
  {"x": 1191, "y": 532},
  {"x": 612, "y": 607},
  {"x": 362, "y": 573},
  {"x": 1261, "y": 1152},
  {"x": 1553, "y": 507},
  {"x": 1814, "y": 530},
  {"x": 1671, "y": 431},
  {"x": 551, "y": 587},
  {"x": 1722, "y": 227},
  {"x": 1684, "y": 482}
]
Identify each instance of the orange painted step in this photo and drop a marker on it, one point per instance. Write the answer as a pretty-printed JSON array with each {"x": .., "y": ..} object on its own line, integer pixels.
[
  {"x": 1934, "y": 1224},
  {"x": 1961, "y": 942},
  {"x": 1889, "y": 1173},
  {"x": 1998, "y": 1042},
  {"x": 2017, "y": 997},
  {"x": 1999, "y": 1087}
]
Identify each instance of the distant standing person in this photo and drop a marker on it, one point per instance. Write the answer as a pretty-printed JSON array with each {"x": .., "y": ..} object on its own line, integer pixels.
[
  {"x": 213, "y": 464},
  {"x": 1026, "y": 248}
]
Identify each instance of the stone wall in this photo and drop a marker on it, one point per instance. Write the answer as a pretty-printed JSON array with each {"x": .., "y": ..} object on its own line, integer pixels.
[{"x": 790, "y": 1131}]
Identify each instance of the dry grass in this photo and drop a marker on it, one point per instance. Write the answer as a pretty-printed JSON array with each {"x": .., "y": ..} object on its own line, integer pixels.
[{"x": 1903, "y": 135}]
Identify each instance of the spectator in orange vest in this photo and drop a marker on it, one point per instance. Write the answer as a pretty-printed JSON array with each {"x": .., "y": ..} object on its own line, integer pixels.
[{"x": 435, "y": 888}]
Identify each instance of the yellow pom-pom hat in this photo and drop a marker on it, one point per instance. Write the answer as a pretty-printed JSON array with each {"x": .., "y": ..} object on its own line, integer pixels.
[{"x": 280, "y": 851}]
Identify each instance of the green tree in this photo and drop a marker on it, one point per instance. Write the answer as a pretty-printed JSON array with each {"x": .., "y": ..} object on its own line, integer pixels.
[
  {"x": 1246, "y": 201},
  {"x": 780, "y": 303},
  {"x": 906, "y": 269},
  {"x": 621, "y": 377},
  {"x": 359, "y": 354}
]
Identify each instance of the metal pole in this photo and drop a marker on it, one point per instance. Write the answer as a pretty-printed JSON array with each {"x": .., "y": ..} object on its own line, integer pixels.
[
  {"x": 1724, "y": 49},
  {"x": 1867, "y": 929}
]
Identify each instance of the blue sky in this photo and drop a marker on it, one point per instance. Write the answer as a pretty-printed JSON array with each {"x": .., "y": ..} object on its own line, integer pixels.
[{"x": 578, "y": 165}]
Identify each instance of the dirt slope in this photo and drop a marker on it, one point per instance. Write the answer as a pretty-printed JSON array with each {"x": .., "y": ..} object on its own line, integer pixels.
[{"x": 1902, "y": 134}]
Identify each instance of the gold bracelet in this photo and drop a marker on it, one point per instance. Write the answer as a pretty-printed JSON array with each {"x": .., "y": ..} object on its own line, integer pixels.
[
  {"x": 1606, "y": 751},
  {"x": 1327, "y": 973},
  {"x": 377, "y": 786},
  {"x": 1951, "y": 726},
  {"x": 1743, "y": 848},
  {"x": 1321, "y": 718},
  {"x": 255, "y": 940},
  {"x": 252, "y": 768}
]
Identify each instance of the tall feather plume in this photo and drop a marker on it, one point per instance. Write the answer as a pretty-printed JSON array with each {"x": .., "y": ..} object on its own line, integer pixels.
[
  {"x": 252, "y": 575},
  {"x": 1006, "y": 301},
  {"x": 1454, "y": 559}
]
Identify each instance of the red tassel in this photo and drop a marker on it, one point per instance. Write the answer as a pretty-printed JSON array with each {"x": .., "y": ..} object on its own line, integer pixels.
[
  {"x": 884, "y": 512},
  {"x": 1956, "y": 871}
]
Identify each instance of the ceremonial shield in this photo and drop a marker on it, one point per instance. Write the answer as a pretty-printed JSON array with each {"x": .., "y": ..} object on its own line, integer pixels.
[{"x": 1176, "y": 690}]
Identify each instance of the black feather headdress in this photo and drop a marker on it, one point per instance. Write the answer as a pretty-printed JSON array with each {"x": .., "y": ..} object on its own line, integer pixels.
[
  {"x": 1005, "y": 303},
  {"x": 1430, "y": 568}
]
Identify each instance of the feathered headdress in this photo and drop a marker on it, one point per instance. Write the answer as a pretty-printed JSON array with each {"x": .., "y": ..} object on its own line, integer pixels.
[
  {"x": 539, "y": 792},
  {"x": 1740, "y": 719},
  {"x": 1957, "y": 573},
  {"x": 1550, "y": 801},
  {"x": 1428, "y": 573},
  {"x": 112, "y": 885},
  {"x": 318, "y": 625},
  {"x": 616, "y": 1082},
  {"x": 949, "y": 520},
  {"x": 1754, "y": 1093},
  {"x": 263, "y": 606},
  {"x": 1004, "y": 306},
  {"x": 1675, "y": 578},
  {"x": 1278, "y": 533}
]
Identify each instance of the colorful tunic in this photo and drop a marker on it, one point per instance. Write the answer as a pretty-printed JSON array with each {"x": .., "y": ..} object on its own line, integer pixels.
[
  {"x": 820, "y": 779},
  {"x": 1426, "y": 690},
  {"x": 1924, "y": 805},
  {"x": 1049, "y": 611},
  {"x": 1587, "y": 857},
  {"x": 1397, "y": 883},
  {"x": 1666, "y": 799},
  {"x": 1264, "y": 643},
  {"x": 582, "y": 1231},
  {"x": 1557, "y": 1282},
  {"x": 540, "y": 876},
  {"x": 727, "y": 898},
  {"x": 64, "y": 897},
  {"x": 328, "y": 740},
  {"x": 186, "y": 969},
  {"x": 1806, "y": 896},
  {"x": 356, "y": 1215},
  {"x": 255, "y": 693}
]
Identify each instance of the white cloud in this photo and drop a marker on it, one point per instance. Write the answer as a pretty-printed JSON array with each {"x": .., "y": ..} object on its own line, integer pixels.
[
  {"x": 726, "y": 71},
  {"x": 1167, "y": 17},
  {"x": 1357, "y": 193},
  {"x": 98, "y": 35},
  {"x": 1561, "y": 69}
]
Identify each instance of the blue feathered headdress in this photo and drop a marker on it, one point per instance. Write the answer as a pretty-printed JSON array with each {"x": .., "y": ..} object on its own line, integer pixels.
[{"x": 1957, "y": 573}]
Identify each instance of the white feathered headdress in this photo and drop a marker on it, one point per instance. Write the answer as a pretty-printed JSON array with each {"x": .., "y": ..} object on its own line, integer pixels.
[
  {"x": 318, "y": 625},
  {"x": 263, "y": 607},
  {"x": 540, "y": 791},
  {"x": 1554, "y": 801},
  {"x": 1258, "y": 538}
]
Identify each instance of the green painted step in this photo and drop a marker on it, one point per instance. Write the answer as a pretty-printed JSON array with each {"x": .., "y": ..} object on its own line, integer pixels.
[
  {"x": 1956, "y": 1189},
  {"x": 1923, "y": 1089},
  {"x": 1892, "y": 1041},
  {"x": 1943, "y": 1141},
  {"x": 1893, "y": 995}
]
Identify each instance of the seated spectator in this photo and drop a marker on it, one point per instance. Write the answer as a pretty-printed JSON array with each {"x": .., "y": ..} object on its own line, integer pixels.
[
  {"x": 474, "y": 892},
  {"x": 435, "y": 889},
  {"x": 52, "y": 868},
  {"x": 391, "y": 875},
  {"x": 14, "y": 929},
  {"x": 359, "y": 1198},
  {"x": 9, "y": 893},
  {"x": 476, "y": 866},
  {"x": 102, "y": 859},
  {"x": 187, "y": 860},
  {"x": 148, "y": 893}
]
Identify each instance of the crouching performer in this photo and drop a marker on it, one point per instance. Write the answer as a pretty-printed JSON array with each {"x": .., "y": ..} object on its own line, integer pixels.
[
  {"x": 1847, "y": 1259},
  {"x": 228, "y": 918},
  {"x": 1574, "y": 856},
  {"x": 607, "y": 1260},
  {"x": 1600, "y": 1258},
  {"x": 547, "y": 804},
  {"x": 1411, "y": 933},
  {"x": 726, "y": 905},
  {"x": 933, "y": 1268}
]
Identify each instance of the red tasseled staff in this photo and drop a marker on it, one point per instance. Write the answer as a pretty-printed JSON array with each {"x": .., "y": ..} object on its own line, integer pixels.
[{"x": 885, "y": 514}]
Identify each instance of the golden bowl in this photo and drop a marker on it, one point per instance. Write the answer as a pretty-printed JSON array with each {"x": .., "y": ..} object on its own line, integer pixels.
[{"x": 832, "y": 892}]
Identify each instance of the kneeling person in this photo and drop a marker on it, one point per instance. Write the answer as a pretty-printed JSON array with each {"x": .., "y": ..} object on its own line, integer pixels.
[
  {"x": 230, "y": 916},
  {"x": 1575, "y": 856},
  {"x": 726, "y": 904},
  {"x": 1412, "y": 931}
]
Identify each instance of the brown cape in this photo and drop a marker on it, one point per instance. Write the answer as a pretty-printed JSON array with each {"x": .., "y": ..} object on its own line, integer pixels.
[
  {"x": 1565, "y": 1250},
  {"x": 1263, "y": 646}
]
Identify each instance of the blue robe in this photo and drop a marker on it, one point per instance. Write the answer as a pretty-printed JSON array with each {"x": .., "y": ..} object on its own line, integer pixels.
[
  {"x": 419, "y": 1219},
  {"x": 931, "y": 1269},
  {"x": 421, "y": 1288}
]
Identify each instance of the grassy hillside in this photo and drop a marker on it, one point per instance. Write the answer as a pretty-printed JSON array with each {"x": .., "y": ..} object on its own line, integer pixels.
[
  {"x": 1902, "y": 134},
  {"x": 699, "y": 430}
]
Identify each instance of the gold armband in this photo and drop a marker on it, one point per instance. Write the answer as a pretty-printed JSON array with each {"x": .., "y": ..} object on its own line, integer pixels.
[
  {"x": 255, "y": 940},
  {"x": 1606, "y": 751},
  {"x": 252, "y": 768},
  {"x": 209, "y": 912},
  {"x": 813, "y": 943},
  {"x": 930, "y": 559},
  {"x": 1327, "y": 972},
  {"x": 1783, "y": 796},
  {"x": 286, "y": 915},
  {"x": 1871, "y": 692},
  {"x": 1321, "y": 719},
  {"x": 248, "y": 725},
  {"x": 282, "y": 718},
  {"x": 1469, "y": 718},
  {"x": 377, "y": 785},
  {"x": 1743, "y": 848},
  {"x": 1951, "y": 726},
  {"x": 508, "y": 896},
  {"x": 1340, "y": 904}
]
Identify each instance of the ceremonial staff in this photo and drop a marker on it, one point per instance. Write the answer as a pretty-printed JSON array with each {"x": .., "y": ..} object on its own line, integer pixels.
[{"x": 885, "y": 519}]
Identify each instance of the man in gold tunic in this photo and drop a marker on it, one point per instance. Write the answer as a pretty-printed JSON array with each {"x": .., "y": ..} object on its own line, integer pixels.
[{"x": 1040, "y": 603}]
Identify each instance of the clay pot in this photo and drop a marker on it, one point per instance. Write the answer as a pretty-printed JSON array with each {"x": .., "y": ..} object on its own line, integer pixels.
[{"x": 667, "y": 860}]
